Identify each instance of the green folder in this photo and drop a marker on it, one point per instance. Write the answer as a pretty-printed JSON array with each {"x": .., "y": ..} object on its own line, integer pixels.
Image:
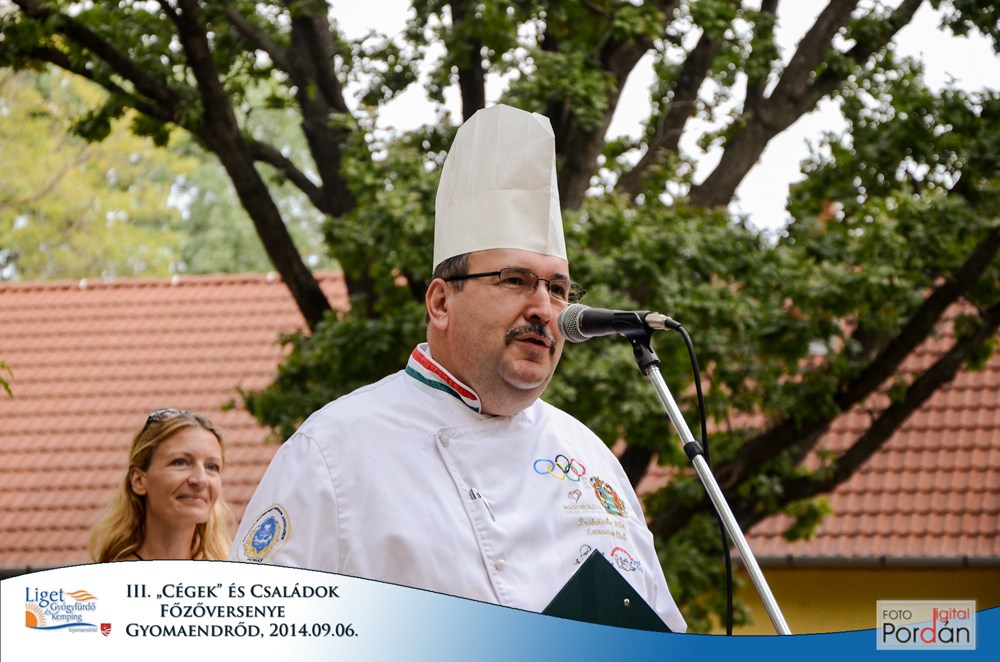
[{"x": 598, "y": 594}]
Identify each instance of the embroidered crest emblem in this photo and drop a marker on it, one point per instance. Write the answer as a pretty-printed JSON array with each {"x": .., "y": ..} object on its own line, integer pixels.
[
  {"x": 609, "y": 498},
  {"x": 266, "y": 536}
]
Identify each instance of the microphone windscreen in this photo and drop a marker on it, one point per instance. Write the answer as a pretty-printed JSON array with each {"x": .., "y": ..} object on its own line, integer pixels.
[{"x": 569, "y": 322}]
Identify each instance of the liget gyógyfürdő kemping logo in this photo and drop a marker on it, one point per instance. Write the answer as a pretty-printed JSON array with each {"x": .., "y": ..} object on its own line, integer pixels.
[
  {"x": 926, "y": 625},
  {"x": 59, "y": 609}
]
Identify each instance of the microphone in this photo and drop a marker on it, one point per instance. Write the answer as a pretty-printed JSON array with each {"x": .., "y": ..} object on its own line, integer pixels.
[{"x": 579, "y": 322}]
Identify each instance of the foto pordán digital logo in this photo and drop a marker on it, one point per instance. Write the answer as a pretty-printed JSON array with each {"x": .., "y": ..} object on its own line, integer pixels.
[{"x": 926, "y": 625}]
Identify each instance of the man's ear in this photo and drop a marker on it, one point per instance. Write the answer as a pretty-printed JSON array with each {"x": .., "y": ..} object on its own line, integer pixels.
[
  {"x": 438, "y": 303},
  {"x": 137, "y": 478}
]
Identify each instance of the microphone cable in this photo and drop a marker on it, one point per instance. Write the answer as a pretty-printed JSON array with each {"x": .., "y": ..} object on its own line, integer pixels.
[{"x": 708, "y": 460}]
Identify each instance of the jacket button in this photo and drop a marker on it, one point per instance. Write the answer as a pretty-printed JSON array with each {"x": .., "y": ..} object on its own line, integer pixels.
[
  {"x": 444, "y": 441},
  {"x": 501, "y": 564}
]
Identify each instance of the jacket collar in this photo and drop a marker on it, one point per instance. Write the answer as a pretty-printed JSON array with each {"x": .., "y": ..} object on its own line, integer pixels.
[{"x": 427, "y": 371}]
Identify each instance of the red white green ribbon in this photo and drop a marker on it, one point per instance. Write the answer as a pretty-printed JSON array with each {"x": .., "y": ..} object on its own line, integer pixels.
[{"x": 423, "y": 368}]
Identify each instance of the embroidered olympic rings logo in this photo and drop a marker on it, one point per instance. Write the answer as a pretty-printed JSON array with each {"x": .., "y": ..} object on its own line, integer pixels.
[{"x": 562, "y": 468}]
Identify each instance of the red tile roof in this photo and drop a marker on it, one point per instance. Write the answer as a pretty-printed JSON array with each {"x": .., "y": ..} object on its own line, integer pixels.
[
  {"x": 92, "y": 359},
  {"x": 90, "y": 362},
  {"x": 931, "y": 494}
]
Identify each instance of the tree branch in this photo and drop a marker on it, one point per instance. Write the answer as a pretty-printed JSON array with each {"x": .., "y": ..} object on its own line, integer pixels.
[
  {"x": 118, "y": 61},
  {"x": 221, "y": 133},
  {"x": 800, "y": 435},
  {"x": 325, "y": 137},
  {"x": 809, "y": 56},
  {"x": 471, "y": 77},
  {"x": 792, "y": 97},
  {"x": 578, "y": 149},
  {"x": 319, "y": 45},
  {"x": 942, "y": 372},
  {"x": 218, "y": 129},
  {"x": 315, "y": 34},
  {"x": 59, "y": 59},
  {"x": 258, "y": 39},
  {"x": 683, "y": 102},
  {"x": 765, "y": 33},
  {"x": 922, "y": 322},
  {"x": 667, "y": 7},
  {"x": 267, "y": 154},
  {"x": 581, "y": 148},
  {"x": 600, "y": 11},
  {"x": 828, "y": 81},
  {"x": 769, "y": 444}
]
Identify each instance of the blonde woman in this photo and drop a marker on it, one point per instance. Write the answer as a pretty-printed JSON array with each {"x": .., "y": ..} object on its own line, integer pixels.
[{"x": 169, "y": 505}]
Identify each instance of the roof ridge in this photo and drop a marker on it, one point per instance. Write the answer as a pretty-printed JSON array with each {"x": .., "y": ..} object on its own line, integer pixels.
[{"x": 172, "y": 281}]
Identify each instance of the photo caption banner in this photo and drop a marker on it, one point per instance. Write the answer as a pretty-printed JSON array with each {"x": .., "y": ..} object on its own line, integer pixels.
[{"x": 165, "y": 609}]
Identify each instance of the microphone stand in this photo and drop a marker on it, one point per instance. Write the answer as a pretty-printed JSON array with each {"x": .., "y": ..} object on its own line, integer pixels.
[{"x": 639, "y": 335}]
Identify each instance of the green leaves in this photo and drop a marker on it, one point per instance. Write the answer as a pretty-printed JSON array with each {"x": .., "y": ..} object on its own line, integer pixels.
[
  {"x": 95, "y": 125},
  {"x": 696, "y": 579},
  {"x": 387, "y": 238},
  {"x": 146, "y": 126},
  {"x": 384, "y": 67},
  {"x": 3, "y": 382},
  {"x": 76, "y": 209},
  {"x": 808, "y": 516},
  {"x": 965, "y": 16},
  {"x": 572, "y": 78},
  {"x": 342, "y": 355}
]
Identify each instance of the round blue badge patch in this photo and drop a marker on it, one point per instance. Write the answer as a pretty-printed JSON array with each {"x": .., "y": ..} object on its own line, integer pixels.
[{"x": 266, "y": 536}]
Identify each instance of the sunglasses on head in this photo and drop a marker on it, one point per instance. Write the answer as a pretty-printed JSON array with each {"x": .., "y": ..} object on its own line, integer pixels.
[{"x": 161, "y": 415}]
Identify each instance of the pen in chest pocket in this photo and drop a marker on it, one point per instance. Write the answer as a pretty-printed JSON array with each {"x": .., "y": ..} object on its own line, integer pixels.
[{"x": 474, "y": 493}]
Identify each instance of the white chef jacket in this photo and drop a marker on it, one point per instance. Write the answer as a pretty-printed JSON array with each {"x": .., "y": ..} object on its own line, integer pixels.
[{"x": 405, "y": 481}]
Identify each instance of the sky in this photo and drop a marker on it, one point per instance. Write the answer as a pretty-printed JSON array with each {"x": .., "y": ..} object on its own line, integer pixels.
[{"x": 763, "y": 192}]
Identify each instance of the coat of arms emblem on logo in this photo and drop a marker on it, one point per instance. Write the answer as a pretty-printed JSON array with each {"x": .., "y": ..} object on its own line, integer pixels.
[
  {"x": 105, "y": 629},
  {"x": 609, "y": 498}
]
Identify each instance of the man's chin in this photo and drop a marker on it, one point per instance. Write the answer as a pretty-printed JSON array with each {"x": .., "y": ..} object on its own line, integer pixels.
[{"x": 526, "y": 375}]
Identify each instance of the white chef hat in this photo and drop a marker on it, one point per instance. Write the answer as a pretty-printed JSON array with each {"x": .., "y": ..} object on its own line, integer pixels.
[{"x": 498, "y": 187}]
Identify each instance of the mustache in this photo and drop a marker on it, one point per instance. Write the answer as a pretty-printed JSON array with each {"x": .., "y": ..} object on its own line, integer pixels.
[{"x": 535, "y": 328}]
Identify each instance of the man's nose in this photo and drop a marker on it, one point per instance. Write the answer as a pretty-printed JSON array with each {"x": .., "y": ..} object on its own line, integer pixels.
[{"x": 541, "y": 305}]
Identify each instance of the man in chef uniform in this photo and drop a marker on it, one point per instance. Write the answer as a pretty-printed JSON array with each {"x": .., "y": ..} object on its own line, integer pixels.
[{"x": 452, "y": 475}]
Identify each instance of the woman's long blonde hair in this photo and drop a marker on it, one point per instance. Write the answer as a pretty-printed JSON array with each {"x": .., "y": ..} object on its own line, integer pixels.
[{"x": 122, "y": 530}]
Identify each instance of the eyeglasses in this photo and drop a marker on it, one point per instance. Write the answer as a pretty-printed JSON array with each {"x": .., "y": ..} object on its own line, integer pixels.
[
  {"x": 524, "y": 282},
  {"x": 161, "y": 415}
]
